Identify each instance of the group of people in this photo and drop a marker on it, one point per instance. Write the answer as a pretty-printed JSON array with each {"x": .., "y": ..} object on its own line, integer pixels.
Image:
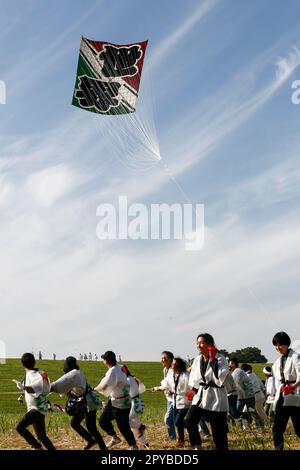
[
  {"x": 91, "y": 357},
  {"x": 124, "y": 403},
  {"x": 216, "y": 391},
  {"x": 213, "y": 390}
]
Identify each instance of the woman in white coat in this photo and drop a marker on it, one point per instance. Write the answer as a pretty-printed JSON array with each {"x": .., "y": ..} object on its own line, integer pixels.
[
  {"x": 137, "y": 407},
  {"x": 286, "y": 372},
  {"x": 207, "y": 378},
  {"x": 177, "y": 384},
  {"x": 74, "y": 384}
]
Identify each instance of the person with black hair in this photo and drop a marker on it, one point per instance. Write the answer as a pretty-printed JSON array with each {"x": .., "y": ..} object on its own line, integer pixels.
[
  {"x": 74, "y": 384},
  {"x": 36, "y": 387},
  {"x": 166, "y": 360},
  {"x": 207, "y": 378},
  {"x": 286, "y": 371},
  {"x": 246, "y": 400},
  {"x": 259, "y": 395},
  {"x": 116, "y": 386},
  {"x": 137, "y": 407},
  {"x": 177, "y": 383},
  {"x": 270, "y": 392}
]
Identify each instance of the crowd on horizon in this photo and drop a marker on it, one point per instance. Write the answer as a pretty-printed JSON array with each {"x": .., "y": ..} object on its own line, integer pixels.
[{"x": 212, "y": 393}]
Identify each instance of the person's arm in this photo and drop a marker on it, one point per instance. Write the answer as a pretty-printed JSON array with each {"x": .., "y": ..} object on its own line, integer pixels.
[
  {"x": 64, "y": 384},
  {"x": 105, "y": 385}
]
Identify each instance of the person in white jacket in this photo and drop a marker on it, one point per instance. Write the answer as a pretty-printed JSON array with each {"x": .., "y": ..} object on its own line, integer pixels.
[
  {"x": 137, "y": 407},
  {"x": 116, "y": 386},
  {"x": 286, "y": 371},
  {"x": 259, "y": 395},
  {"x": 207, "y": 378},
  {"x": 74, "y": 384},
  {"x": 270, "y": 392},
  {"x": 177, "y": 384},
  {"x": 36, "y": 387}
]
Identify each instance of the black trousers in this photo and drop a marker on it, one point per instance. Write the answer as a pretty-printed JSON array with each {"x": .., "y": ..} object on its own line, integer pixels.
[
  {"x": 122, "y": 419},
  {"x": 218, "y": 423},
  {"x": 37, "y": 420},
  {"x": 281, "y": 417},
  {"x": 92, "y": 433}
]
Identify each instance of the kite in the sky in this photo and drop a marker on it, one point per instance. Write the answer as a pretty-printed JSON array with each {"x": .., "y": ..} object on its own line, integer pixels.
[{"x": 108, "y": 76}]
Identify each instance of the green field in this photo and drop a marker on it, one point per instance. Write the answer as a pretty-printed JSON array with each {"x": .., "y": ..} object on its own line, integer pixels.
[
  {"x": 58, "y": 424},
  {"x": 150, "y": 373}
]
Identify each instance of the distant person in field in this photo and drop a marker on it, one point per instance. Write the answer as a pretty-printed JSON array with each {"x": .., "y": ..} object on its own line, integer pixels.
[
  {"x": 54, "y": 357},
  {"x": 166, "y": 360},
  {"x": 96, "y": 357},
  {"x": 259, "y": 395},
  {"x": 36, "y": 387},
  {"x": 286, "y": 371},
  {"x": 245, "y": 392},
  {"x": 270, "y": 392},
  {"x": 177, "y": 384},
  {"x": 207, "y": 378},
  {"x": 137, "y": 407},
  {"x": 73, "y": 383},
  {"x": 40, "y": 355},
  {"x": 116, "y": 386}
]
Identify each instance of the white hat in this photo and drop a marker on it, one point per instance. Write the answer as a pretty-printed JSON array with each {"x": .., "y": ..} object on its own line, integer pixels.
[{"x": 266, "y": 371}]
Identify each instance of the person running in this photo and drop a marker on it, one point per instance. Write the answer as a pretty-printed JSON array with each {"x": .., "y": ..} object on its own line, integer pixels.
[
  {"x": 207, "y": 378},
  {"x": 270, "y": 392},
  {"x": 166, "y": 360},
  {"x": 259, "y": 395},
  {"x": 286, "y": 371},
  {"x": 177, "y": 384},
  {"x": 36, "y": 387},
  {"x": 245, "y": 392},
  {"x": 116, "y": 386},
  {"x": 74, "y": 384},
  {"x": 137, "y": 407},
  {"x": 232, "y": 396}
]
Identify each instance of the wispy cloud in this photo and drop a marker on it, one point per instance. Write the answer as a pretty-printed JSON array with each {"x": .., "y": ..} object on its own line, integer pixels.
[{"x": 183, "y": 29}]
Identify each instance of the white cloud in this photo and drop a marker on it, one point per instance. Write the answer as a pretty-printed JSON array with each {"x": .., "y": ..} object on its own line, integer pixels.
[{"x": 49, "y": 185}]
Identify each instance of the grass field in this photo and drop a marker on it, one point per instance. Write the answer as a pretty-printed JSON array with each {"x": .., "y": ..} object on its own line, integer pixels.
[{"x": 65, "y": 438}]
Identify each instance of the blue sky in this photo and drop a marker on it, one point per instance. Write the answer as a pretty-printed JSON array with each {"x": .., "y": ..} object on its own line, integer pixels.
[{"x": 221, "y": 75}]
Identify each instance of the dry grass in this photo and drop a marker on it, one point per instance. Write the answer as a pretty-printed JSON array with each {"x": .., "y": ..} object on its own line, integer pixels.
[{"x": 64, "y": 438}]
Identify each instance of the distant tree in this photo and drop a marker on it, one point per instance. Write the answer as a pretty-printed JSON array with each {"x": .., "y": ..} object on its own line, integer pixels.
[
  {"x": 224, "y": 352},
  {"x": 249, "y": 354}
]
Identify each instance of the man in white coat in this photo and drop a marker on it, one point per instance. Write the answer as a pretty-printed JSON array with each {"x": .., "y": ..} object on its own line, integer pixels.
[
  {"x": 166, "y": 360},
  {"x": 116, "y": 386},
  {"x": 286, "y": 371}
]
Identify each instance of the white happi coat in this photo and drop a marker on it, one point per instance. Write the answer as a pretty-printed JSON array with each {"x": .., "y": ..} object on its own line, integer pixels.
[
  {"x": 291, "y": 375},
  {"x": 270, "y": 389},
  {"x": 39, "y": 382},
  {"x": 116, "y": 386},
  {"x": 257, "y": 385},
  {"x": 209, "y": 397},
  {"x": 168, "y": 384},
  {"x": 137, "y": 404},
  {"x": 74, "y": 382}
]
